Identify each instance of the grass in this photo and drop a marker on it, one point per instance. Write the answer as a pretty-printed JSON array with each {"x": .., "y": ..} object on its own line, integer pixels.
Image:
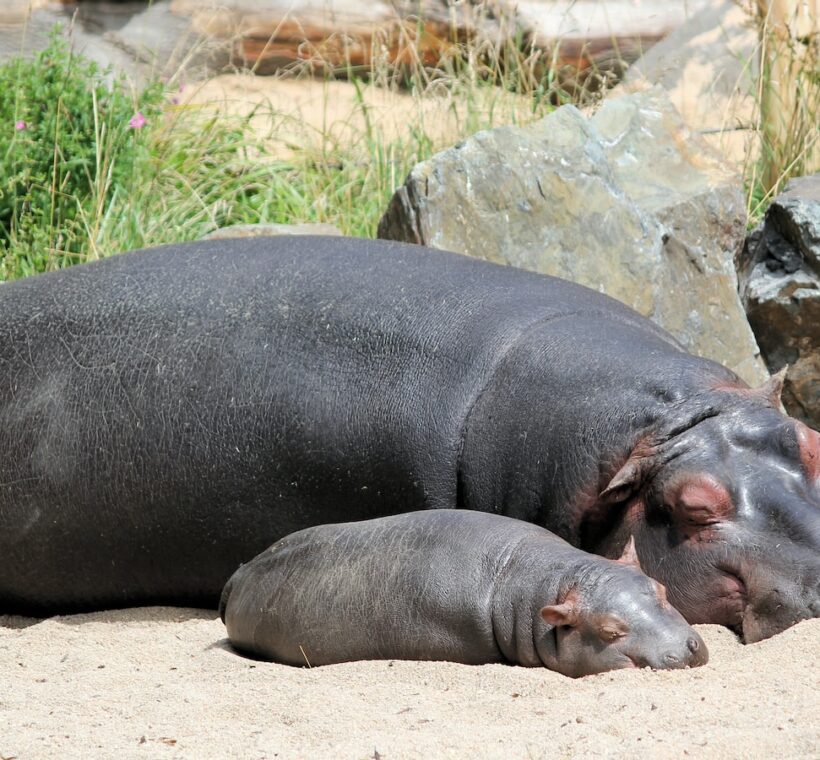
[
  {"x": 787, "y": 101},
  {"x": 79, "y": 182},
  {"x": 87, "y": 184}
]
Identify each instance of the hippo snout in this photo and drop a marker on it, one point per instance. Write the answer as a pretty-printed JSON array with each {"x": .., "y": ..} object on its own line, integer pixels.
[
  {"x": 695, "y": 654},
  {"x": 688, "y": 653},
  {"x": 693, "y": 644}
]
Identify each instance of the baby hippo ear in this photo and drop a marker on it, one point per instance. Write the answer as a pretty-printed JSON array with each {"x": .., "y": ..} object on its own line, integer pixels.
[
  {"x": 566, "y": 613},
  {"x": 629, "y": 555}
]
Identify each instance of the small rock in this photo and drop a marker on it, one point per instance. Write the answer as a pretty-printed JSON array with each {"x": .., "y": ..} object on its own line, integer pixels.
[{"x": 271, "y": 230}]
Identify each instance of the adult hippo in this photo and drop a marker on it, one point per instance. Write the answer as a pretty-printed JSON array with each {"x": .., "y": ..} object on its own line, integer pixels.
[{"x": 167, "y": 414}]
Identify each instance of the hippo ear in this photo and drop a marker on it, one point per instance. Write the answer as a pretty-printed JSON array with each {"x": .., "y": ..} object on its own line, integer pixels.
[
  {"x": 772, "y": 389},
  {"x": 560, "y": 614},
  {"x": 565, "y": 613},
  {"x": 630, "y": 554},
  {"x": 626, "y": 481}
]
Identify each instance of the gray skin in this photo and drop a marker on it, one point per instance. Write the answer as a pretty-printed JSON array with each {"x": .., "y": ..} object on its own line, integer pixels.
[
  {"x": 452, "y": 585},
  {"x": 167, "y": 414}
]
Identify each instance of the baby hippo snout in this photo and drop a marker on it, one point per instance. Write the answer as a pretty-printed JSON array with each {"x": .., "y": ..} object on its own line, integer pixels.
[
  {"x": 694, "y": 655},
  {"x": 680, "y": 647}
]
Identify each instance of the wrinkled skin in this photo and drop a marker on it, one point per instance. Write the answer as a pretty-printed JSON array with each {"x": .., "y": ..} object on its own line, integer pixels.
[
  {"x": 453, "y": 585},
  {"x": 165, "y": 415}
]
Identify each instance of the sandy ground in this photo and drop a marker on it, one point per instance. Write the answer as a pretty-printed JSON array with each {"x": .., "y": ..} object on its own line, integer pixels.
[
  {"x": 309, "y": 114},
  {"x": 162, "y": 682}
]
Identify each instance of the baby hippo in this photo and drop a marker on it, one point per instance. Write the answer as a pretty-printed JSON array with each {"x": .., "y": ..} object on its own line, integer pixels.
[{"x": 457, "y": 585}]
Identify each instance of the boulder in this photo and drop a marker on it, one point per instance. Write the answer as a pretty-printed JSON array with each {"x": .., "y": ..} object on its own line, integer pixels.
[
  {"x": 25, "y": 34},
  {"x": 572, "y": 35},
  {"x": 271, "y": 230},
  {"x": 163, "y": 43},
  {"x": 709, "y": 67},
  {"x": 595, "y": 36},
  {"x": 780, "y": 287},
  {"x": 627, "y": 202},
  {"x": 331, "y": 34}
]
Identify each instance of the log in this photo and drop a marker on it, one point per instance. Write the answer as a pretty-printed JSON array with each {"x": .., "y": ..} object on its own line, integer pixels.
[{"x": 338, "y": 33}]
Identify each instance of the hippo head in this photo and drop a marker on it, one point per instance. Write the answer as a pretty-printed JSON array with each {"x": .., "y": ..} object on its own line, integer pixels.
[
  {"x": 724, "y": 504},
  {"x": 613, "y": 616}
]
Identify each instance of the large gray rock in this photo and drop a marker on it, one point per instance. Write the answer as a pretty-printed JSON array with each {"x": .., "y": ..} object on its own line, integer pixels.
[
  {"x": 134, "y": 38},
  {"x": 780, "y": 286},
  {"x": 628, "y": 203},
  {"x": 165, "y": 44},
  {"x": 26, "y": 34}
]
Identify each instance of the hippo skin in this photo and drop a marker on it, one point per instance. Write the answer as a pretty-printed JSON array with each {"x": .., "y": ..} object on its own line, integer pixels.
[
  {"x": 167, "y": 414},
  {"x": 447, "y": 584}
]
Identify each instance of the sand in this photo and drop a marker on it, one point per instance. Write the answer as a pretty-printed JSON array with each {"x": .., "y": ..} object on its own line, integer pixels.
[
  {"x": 163, "y": 682},
  {"x": 297, "y": 115}
]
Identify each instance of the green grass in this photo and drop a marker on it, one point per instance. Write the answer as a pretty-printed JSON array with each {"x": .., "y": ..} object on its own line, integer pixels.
[
  {"x": 80, "y": 183},
  {"x": 787, "y": 108},
  {"x": 65, "y": 146}
]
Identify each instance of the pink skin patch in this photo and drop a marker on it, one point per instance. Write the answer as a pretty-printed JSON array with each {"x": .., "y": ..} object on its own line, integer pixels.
[
  {"x": 808, "y": 441},
  {"x": 723, "y": 600},
  {"x": 700, "y": 502},
  {"x": 660, "y": 593}
]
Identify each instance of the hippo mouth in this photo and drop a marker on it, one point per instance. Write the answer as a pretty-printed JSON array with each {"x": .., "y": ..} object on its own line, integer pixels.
[
  {"x": 732, "y": 598},
  {"x": 629, "y": 663}
]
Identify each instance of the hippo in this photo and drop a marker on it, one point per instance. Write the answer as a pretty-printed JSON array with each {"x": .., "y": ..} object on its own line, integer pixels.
[
  {"x": 446, "y": 584},
  {"x": 167, "y": 414}
]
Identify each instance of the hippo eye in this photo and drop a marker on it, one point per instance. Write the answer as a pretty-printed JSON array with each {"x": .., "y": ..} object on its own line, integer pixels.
[{"x": 611, "y": 633}]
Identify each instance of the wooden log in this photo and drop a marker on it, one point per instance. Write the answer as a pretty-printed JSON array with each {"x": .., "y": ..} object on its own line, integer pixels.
[
  {"x": 325, "y": 33},
  {"x": 577, "y": 33}
]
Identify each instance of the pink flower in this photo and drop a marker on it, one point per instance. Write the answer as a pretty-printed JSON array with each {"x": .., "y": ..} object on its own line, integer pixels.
[
  {"x": 21, "y": 125},
  {"x": 138, "y": 121}
]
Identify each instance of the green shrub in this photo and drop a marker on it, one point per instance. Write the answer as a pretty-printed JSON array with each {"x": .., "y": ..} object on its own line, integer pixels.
[
  {"x": 67, "y": 141},
  {"x": 79, "y": 183}
]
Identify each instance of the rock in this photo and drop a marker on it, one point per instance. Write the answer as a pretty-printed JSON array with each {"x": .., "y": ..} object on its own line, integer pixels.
[
  {"x": 628, "y": 203},
  {"x": 709, "y": 68},
  {"x": 780, "y": 287},
  {"x": 168, "y": 45},
  {"x": 266, "y": 230},
  {"x": 14, "y": 12},
  {"x": 26, "y": 36},
  {"x": 330, "y": 34},
  {"x": 590, "y": 34},
  {"x": 581, "y": 35}
]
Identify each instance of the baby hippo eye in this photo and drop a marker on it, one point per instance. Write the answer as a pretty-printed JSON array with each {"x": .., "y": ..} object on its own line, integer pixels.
[{"x": 611, "y": 632}]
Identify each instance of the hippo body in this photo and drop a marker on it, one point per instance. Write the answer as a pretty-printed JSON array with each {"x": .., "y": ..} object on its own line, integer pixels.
[
  {"x": 167, "y": 414},
  {"x": 452, "y": 585}
]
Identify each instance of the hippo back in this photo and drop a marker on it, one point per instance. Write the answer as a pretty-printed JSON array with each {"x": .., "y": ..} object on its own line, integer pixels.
[{"x": 166, "y": 414}]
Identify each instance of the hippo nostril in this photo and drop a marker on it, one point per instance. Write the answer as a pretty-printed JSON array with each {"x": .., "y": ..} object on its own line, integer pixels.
[{"x": 692, "y": 645}]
